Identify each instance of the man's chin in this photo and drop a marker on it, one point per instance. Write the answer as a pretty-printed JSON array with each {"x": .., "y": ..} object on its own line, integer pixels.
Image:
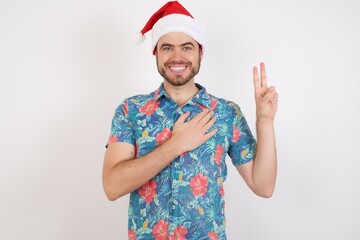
[{"x": 177, "y": 82}]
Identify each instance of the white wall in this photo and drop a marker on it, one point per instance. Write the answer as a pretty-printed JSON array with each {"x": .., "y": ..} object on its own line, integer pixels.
[{"x": 65, "y": 65}]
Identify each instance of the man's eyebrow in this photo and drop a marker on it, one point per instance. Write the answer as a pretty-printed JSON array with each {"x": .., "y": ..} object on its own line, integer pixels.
[
  {"x": 171, "y": 45},
  {"x": 166, "y": 45},
  {"x": 187, "y": 43}
]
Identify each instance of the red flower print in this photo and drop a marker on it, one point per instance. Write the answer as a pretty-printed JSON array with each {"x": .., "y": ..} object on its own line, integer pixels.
[
  {"x": 213, "y": 104},
  {"x": 198, "y": 184},
  {"x": 148, "y": 191},
  {"x": 126, "y": 108},
  {"x": 112, "y": 139},
  {"x": 179, "y": 233},
  {"x": 221, "y": 191},
  {"x": 156, "y": 94},
  {"x": 219, "y": 153},
  {"x": 160, "y": 230},
  {"x": 150, "y": 107},
  {"x": 131, "y": 234},
  {"x": 136, "y": 150},
  {"x": 184, "y": 153},
  {"x": 236, "y": 134},
  {"x": 163, "y": 136},
  {"x": 213, "y": 236},
  {"x": 202, "y": 107}
]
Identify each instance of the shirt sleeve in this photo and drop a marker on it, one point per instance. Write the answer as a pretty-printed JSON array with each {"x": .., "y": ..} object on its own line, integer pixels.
[
  {"x": 121, "y": 126},
  {"x": 243, "y": 145}
]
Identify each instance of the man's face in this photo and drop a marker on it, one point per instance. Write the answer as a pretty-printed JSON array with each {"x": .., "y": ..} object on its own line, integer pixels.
[{"x": 178, "y": 58}]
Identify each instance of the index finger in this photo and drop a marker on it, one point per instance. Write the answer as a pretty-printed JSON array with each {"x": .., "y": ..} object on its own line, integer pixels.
[{"x": 263, "y": 75}]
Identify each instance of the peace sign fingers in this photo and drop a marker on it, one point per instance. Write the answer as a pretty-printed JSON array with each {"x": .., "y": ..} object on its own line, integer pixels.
[
  {"x": 266, "y": 98},
  {"x": 260, "y": 84}
]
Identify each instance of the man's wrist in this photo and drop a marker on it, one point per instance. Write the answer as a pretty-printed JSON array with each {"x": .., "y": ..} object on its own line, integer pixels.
[
  {"x": 264, "y": 122},
  {"x": 172, "y": 147}
]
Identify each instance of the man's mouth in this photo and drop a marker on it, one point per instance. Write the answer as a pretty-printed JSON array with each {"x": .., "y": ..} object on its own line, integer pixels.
[{"x": 177, "y": 68}]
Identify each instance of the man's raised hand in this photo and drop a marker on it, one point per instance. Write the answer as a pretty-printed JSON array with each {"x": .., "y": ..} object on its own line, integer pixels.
[{"x": 266, "y": 98}]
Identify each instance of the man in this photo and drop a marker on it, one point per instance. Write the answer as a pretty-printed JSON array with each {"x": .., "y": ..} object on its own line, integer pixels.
[{"x": 168, "y": 148}]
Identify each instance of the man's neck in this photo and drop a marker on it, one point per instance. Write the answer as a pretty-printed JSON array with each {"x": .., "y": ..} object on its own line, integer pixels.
[{"x": 181, "y": 94}]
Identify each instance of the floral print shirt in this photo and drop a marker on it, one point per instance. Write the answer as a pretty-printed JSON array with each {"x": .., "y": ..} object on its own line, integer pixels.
[{"x": 186, "y": 199}]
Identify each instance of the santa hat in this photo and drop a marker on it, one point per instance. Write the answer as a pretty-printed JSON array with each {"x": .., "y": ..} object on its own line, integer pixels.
[{"x": 172, "y": 17}]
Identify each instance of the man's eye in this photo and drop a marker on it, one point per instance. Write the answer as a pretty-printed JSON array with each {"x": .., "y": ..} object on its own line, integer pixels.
[
  {"x": 186, "y": 48},
  {"x": 167, "y": 49}
]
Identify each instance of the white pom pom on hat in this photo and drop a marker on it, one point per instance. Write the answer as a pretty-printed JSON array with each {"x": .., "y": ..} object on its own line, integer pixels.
[
  {"x": 139, "y": 38},
  {"x": 172, "y": 17}
]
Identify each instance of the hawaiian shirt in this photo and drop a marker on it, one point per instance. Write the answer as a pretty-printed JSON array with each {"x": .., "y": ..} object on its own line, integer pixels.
[{"x": 186, "y": 199}]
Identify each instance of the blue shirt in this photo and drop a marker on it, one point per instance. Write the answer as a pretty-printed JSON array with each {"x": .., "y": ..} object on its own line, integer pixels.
[{"x": 186, "y": 199}]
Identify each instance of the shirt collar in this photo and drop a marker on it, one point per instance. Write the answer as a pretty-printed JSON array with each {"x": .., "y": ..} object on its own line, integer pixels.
[
  {"x": 202, "y": 97},
  {"x": 160, "y": 93}
]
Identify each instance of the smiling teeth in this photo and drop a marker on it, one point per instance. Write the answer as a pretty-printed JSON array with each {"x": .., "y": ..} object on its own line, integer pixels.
[{"x": 177, "y": 68}]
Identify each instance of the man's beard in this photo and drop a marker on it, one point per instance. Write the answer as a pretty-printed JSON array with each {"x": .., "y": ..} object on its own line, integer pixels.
[{"x": 179, "y": 80}]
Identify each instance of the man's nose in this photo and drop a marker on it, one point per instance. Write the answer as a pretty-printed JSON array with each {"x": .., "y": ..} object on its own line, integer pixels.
[{"x": 177, "y": 53}]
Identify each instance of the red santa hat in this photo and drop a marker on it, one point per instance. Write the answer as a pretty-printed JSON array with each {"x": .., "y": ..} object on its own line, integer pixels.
[{"x": 172, "y": 17}]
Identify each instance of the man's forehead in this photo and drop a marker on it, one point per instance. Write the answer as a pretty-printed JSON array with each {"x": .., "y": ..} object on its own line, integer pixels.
[{"x": 176, "y": 38}]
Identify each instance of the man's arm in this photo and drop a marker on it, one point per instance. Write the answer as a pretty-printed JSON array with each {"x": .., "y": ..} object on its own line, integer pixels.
[
  {"x": 123, "y": 172},
  {"x": 260, "y": 174}
]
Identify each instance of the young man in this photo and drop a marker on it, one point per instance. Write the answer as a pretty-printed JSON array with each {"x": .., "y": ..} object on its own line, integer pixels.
[{"x": 168, "y": 148}]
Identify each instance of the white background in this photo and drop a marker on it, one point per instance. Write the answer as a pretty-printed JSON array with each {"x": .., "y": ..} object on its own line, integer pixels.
[{"x": 66, "y": 65}]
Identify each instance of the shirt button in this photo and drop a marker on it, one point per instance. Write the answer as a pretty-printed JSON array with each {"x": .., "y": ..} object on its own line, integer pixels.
[
  {"x": 171, "y": 233},
  {"x": 174, "y": 181},
  {"x": 173, "y": 207}
]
